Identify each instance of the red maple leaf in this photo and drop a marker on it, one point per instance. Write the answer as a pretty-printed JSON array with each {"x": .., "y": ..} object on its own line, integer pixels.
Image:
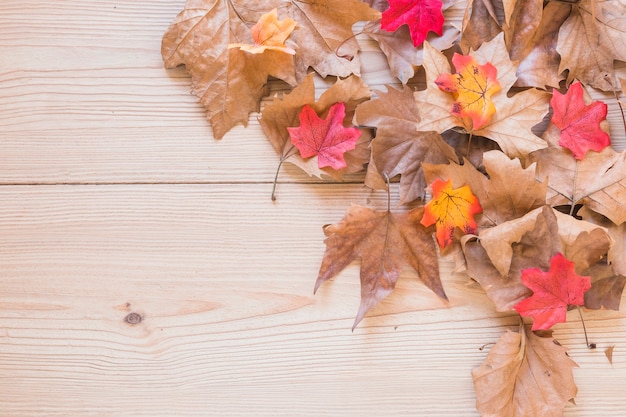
[
  {"x": 553, "y": 292},
  {"x": 421, "y": 16},
  {"x": 326, "y": 138},
  {"x": 579, "y": 123}
]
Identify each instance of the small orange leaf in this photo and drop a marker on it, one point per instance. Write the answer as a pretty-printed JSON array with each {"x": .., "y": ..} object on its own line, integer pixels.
[
  {"x": 269, "y": 33},
  {"x": 451, "y": 208},
  {"x": 472, "y": 87}
]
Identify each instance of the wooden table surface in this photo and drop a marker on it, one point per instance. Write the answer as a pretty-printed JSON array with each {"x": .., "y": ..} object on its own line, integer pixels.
[{"x": 145, "y": 271}]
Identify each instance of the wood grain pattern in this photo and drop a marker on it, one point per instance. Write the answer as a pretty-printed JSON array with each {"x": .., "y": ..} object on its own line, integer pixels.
[{"x": 144, "y": 270}]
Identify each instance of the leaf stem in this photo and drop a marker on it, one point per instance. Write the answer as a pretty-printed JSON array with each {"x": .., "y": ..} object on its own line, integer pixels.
[
  {"x": 621, "y": 110},
  {"x": 286, "y": 156},
  {"x": 469, "y": 143},
  {"x": 343, "y": 42},
  {"x": 589, "y": 345},
  {"x": 571, "y": 210},
  {"x": 388, "y": 191}
]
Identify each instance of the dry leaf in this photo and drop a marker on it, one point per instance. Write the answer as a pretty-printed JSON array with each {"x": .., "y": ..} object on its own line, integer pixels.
[
  {"x": 229, "y": 82},
  {"x": 592, "y": 37},
  {"x": 609, "y": 353},
  {"x": 598, "y": 181},
  {"x": 385, "y": 242},
  {"x": 606, "y": 290},
  {"x": 538, "y": 59},
  {"x": 480, "y": 25},
  {"x": 398, "y": 148},
  {"x": 324, "y": 26},
  {"x": 524, "y": 375},
  {"x": 515, "y": 116},
  {"x": 618, "y": 249}
]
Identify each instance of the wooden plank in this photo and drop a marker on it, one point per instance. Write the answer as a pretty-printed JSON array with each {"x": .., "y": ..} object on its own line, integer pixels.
[
  {"x": 85, "y": 99},
  {"x": 156, "y": 300}
]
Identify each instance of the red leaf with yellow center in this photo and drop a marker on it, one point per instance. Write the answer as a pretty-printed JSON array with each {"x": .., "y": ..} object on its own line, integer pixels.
[
  {"x": 553, "y": 292},
  {"x": 421, "y": 16},
  {"x": 269, "y": 33},
  {"x": 326, "y": 138},
  {"x": 472, "y": 87},
  {"x": 579, "y": 122},
  {"x": 449, "y": 209}
]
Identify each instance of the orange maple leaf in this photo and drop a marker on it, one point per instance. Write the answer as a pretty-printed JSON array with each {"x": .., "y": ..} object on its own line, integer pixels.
[
  {"x": 269, "y": 33},
  {"x": 472, "y": 87},
  {"x": 451, "y": 208}
]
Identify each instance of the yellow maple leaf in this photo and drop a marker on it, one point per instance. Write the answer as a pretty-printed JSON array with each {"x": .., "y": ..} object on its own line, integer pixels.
[
  {"x": 472, "y": 87},
  {"x": 451, "y": 208},
  {"x": 269, "y": 33}
]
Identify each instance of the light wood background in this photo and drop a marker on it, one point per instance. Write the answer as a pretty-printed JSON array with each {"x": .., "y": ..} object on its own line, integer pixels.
[{"x": 144, "y": 270}]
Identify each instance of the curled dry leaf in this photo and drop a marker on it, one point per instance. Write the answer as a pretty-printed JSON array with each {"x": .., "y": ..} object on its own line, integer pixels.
[
  {"x": 480, "y": 25},
  {"x": 398, "y": 148},
  {"x": 606, "y": 289},
  {"x": 524, "y": 375},
  {"x": 385, "y": 242}
]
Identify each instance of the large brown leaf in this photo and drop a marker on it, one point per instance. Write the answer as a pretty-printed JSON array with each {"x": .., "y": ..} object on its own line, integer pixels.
[
  {"x": 531, "y": 33},
  {"x": 598, "y": 181},
  {"x": 480, "y": 25},
  {"x": 606, "y": 288},
  {"x": 511, "y": 126},
  {"x": 593, "y": 36},
  {"x": 524, "y": 375},
  {"x": 325, "y": 25},
  {"x": 229, "y": 82},
  {"x": 398, "y": 148},
  {"x": 283, "y": 112},
  {"x": 385, "y": 242}
]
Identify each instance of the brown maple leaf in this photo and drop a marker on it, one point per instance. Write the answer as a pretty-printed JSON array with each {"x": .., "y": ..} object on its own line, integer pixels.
[
  {"x": 283, "y": 112},
  {"x": 514, "y": 117},
  {"x": 524, "y": 375},
  {"x": 385, "y": 242},
  {"x": 324, "y": 26},
  {"x": 398, "y": 148},
  {"x": 403, "y": 57},
  {"x": 598, "y": 181},
  {"x": 592, "y": 37},
  {"x": 229, "y": 82}
]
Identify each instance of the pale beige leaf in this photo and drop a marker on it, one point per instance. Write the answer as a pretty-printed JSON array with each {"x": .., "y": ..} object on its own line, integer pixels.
[
  {"x": 590, "y": 40},
  {"x": 524, "y": 375}
]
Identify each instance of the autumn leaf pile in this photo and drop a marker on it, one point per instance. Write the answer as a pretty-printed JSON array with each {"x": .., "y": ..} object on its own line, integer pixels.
[{"x": 502, "y": 158}]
